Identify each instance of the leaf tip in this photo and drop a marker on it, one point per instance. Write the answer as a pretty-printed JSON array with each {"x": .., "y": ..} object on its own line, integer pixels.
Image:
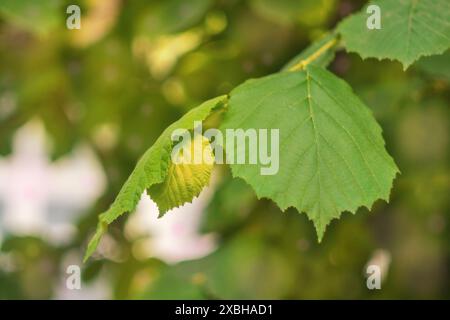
[
  {"x": 320, "y": 229},
  {"x": 93, "y": 244}
]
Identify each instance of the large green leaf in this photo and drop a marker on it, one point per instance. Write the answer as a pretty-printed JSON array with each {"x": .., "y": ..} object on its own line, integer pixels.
[
  {"x": 152, "y": 169},
  {"x": 409, "y": 29},
  {"x": 332, "y": 154}
]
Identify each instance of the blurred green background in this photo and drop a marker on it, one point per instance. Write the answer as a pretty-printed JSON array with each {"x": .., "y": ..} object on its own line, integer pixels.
[{"x": 78, "y": 108}]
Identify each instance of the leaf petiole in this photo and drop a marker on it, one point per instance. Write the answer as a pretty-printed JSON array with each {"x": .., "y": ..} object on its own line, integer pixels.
[{"x": 327, "y": 46}]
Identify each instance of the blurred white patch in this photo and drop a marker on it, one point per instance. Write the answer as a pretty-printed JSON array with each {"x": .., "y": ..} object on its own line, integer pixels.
[
  {"x": 380, "y": 258},
  {"x": 174, "y": 237},
  {"x": 43, "y": 198}
]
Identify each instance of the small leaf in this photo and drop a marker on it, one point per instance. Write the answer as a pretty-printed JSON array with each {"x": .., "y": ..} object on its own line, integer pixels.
[
  {"x": 409, "y": 29},
  {"x": 185, "y": 179},
  {"x": 151, "y": 169},
  {"x": 331, "y": 152}
]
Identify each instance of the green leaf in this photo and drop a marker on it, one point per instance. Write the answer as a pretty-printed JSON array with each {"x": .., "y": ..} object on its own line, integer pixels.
[
  {"x": 409, "y": 29},
  {"x": 185, "y": 179},
  {"x": 332, "y": 154},
  {"x": 151, "y": 169}
]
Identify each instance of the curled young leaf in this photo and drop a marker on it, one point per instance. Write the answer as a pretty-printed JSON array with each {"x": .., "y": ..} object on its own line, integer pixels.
[{"x": 152, "y": 169}]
